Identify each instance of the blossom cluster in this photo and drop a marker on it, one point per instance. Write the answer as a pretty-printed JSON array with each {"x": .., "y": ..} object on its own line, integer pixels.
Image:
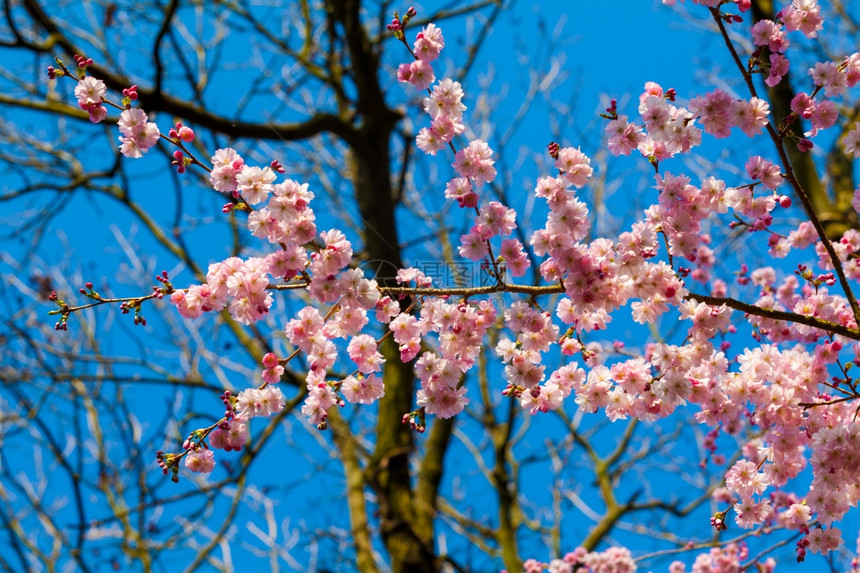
[
  {"x": 138, "y": 134},
  {"x": 428, "y": 45},
  {"x": 600, "y": 276},
  {"x": 614, "y": 560},
  {"x": 90, "y": 93},
  {"x": 782, "y": 387}
]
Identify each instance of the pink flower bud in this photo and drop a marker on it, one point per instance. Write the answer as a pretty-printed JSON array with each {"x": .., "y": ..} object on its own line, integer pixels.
[
  {"x": 470, "y": 200},
  {"x": 186, "y": 134},
  {"x": 270, "y": 360}
]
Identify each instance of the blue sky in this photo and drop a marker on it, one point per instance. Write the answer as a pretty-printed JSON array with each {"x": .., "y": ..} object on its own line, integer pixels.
[{"x": 604, "y": 50}]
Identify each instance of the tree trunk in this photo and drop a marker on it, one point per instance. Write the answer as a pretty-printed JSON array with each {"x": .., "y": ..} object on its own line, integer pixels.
[{"x": 388, "y": 471}]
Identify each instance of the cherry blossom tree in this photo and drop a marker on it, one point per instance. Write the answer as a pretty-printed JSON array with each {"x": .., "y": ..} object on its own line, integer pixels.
[{"x": 656, "y": 354}]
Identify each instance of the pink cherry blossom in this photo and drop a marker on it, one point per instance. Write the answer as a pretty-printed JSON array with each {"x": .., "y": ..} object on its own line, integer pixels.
[
  {"x": 779, "y": 66},
  {"x": 575, "y": 166},
  {"x": 138, "y": 134},
  {"x": 200, "y": 461},
  {"x": 232, "y": 438},
  {"x": 851, "y": 142},
  {"x": 475, "y": 162},
  {"x": 624, "y": 136},
  {"x": 803, "y": 15},
  {"x": 255, "y": 183},
  {"x": 363, "y": 390},
  {"x": 89, "y": 90},
  {"x": 750, "y": 116},
  {"x": 429, "y": 43}
]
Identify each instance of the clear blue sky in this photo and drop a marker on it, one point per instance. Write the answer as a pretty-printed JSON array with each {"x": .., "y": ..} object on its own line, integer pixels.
[{"x": 605, "y": 49}]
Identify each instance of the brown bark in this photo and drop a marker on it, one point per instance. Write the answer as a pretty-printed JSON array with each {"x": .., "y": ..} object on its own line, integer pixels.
[
  {"x": 833, "y": 206},
  {"x": 410, "y": 549}
]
